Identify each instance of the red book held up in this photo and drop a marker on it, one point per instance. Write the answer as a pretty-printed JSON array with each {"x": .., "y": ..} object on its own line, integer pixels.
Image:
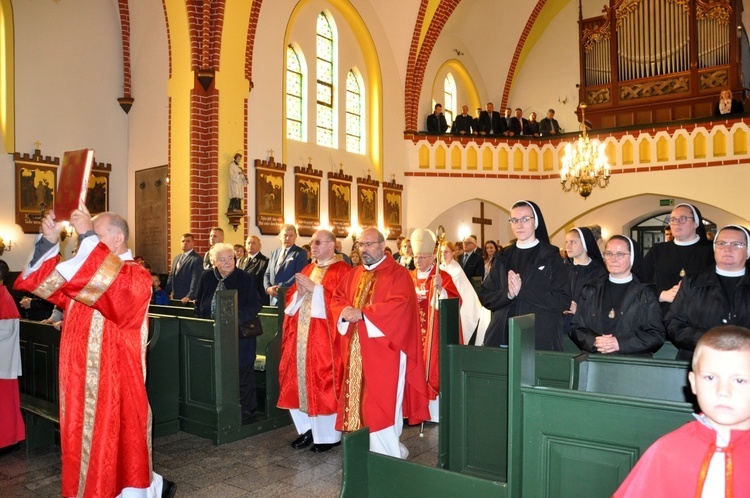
[{"x": 73, "y": 182}]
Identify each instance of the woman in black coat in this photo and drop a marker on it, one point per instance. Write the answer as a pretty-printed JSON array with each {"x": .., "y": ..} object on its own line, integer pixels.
[
  {"x": 527, "y": 277},
  {"x": 617, "y": 314},
  {"x": 225, "y": 276},
  {"x": 719, "y": 295}
]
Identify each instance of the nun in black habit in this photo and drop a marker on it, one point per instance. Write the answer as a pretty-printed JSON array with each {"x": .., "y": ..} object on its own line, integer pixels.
[
  {"x": 690, "y": 251},
  {"x": 527, "y": 277},
  {"x": 584, "y": 262}
]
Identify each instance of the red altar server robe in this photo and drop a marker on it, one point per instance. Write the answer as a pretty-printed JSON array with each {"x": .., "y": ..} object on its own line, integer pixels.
[
  {"x": 429, "y": 323},
  {"x": 105, "y": 419},
  {"x": 371, "y": 364},
  {"x": 676, "y": 465},
  {"x": 314, "y": 343},
  {"x": 12, "y": 428}
]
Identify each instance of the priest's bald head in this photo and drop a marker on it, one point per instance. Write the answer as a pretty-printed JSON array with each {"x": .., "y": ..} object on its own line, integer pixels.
[{"x": 112, "y": 230}]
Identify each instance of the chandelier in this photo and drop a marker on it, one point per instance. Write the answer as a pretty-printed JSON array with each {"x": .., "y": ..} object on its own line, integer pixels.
[{"x": 584, "y": 165}]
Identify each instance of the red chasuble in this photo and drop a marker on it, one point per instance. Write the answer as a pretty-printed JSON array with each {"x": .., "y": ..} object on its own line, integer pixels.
[
  {"x": 371, "y": 365},
  {"x": 310, "y": 366},
  {"x": 676, "y": 465},
  {"x": 429, "y": 324},
  {"x": 105, "y": 419}
]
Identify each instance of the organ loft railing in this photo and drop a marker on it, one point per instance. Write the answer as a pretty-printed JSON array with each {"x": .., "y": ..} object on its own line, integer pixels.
[{"x": 646, "y": 61}]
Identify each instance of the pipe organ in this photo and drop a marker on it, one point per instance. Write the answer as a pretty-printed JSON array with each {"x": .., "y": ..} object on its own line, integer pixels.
[{"x": 658, "y": 60}]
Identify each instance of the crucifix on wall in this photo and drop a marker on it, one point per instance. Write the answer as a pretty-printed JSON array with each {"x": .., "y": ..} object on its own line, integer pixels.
[{"x": 482, "y": 221}]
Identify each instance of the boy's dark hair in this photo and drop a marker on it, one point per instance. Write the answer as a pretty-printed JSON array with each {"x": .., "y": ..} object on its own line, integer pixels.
[{"x": 723, "y": 338}]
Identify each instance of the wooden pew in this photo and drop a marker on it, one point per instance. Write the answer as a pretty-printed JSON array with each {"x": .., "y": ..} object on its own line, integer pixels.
[
  {"x": 40, "y": 354},
  {"x": 556, "y": 442},
  {"x": 209, "y": 374},
  {"x": 171, "y": 310}
]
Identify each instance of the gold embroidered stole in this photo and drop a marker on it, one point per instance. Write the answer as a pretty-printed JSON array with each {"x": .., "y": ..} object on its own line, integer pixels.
[
  {"x": 353, "y": 376},
  {"x": 303, "y": 332}
]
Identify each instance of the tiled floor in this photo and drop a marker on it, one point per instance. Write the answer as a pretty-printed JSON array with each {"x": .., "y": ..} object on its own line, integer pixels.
[{"x": 260, "y": 466}]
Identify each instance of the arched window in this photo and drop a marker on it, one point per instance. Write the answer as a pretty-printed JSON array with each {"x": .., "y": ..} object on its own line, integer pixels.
[
  {"x": 325, "y": 44},
  {"x": 449, "y": 99},
  {"x": 293, "y": 95},
  {"x": 354, "y": 108}
]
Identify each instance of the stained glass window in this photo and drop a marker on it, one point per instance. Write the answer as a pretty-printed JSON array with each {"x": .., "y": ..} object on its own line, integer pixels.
[
  {"x": 449, "y": 91},
  {"x": 354, "y": 105},
  {"x": 325, "y": 70},
  {"x": 293, "y": 95}
]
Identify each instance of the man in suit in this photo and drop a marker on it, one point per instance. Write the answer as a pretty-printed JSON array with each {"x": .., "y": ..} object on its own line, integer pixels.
[
  {"x": 506, "y": 121},
  {"x": 471, "y": 260},
  {"x": 463, "y": 122},
  {"x": 338, "y": 249},
  {"x": 255, "y": 263},
  {"x": 214, "y": 237},
  {"x": 519, "y": 125},
  {"x": 490, "y": 122},
  {"x": 549, "y": 125},
  {"x": 436, "y": 122},
  {"x": 187, "y": 268},
  {"x": 285, "y": 262}
]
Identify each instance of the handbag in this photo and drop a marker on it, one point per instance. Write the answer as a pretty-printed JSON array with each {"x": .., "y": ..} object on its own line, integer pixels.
[{"x": 252, "y": 328}]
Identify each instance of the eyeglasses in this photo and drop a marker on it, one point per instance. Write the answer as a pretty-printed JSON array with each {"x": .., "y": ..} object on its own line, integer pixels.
[
  {"x": 735, "y": 246},
  {"x": 524, "y": 220},
  {"x": 617, "y": 256},
  {"x": 366, "y": 245},
  {"x": 318, "y": 242},
  {"x": 679, "y": 221}
]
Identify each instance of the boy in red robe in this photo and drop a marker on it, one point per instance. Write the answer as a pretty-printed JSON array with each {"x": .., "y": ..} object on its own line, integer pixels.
[
  {"x": 708, "y": 457},
  {"x": 12, "y": 429}
]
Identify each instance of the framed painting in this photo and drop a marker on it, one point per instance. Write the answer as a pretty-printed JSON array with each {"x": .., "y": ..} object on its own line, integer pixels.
[
  {"x": 340, "y": 203},
  {"x": 392, "y": 208},
  {"x": 269, "y": 196},
  {"x": 35, "y": 186},
  {"x": 307, "y": 199},
  {"x": 367, "y": 205}
]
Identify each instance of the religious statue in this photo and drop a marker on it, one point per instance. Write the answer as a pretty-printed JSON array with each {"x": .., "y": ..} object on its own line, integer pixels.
[{"x": 237, "y": 181}]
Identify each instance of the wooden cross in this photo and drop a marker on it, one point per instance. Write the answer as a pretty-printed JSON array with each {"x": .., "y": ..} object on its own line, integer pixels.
[
  {"x": 482, "y": 221},
  {"x": 270, "y": 153},
  {"x": 38, "y": 145}
]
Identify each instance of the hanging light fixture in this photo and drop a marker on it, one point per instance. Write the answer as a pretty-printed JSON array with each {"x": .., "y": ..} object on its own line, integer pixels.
[{"x": 584, "y": 165}]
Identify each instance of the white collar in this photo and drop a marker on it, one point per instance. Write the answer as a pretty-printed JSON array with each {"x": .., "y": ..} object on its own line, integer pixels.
[
  {"x": 623, "y": 280},
  {"x": 374, "y": 265},
  {"x": 688, "y": 243},
  {"x": 527, "y": 245},
  {"x": 728, "y": 273}
]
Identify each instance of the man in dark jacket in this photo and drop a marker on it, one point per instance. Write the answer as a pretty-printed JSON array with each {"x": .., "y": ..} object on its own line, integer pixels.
[{"x": 436, "y": 122}]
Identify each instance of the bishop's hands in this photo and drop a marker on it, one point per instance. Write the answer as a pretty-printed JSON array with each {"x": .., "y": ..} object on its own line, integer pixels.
[
  {"x": 514, "y": 284},
  {"x": 304, "y": 284},
  {"x": 352, "y": 314}
]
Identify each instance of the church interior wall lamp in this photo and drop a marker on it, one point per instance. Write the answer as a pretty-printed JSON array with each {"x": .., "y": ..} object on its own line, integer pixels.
[
  {"x": 3, "y": 247},
  {"x": 584, "y": 165}
]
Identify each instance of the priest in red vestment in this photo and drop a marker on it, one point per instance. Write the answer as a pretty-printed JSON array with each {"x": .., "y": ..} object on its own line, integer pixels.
[
  {"x": 375, "y": 309},
  {"x": 12, "y": 429},
  {"x": 310, "y": 366},
  {"x": 431, "y": 285},
  {"x": 105, "y": 418}
]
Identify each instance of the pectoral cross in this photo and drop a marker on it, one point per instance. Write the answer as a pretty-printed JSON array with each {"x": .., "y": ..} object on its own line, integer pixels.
[{"x": 482, "y": 221}]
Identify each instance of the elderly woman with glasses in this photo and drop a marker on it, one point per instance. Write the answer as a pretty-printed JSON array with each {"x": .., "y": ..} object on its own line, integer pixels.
[
  {"x": 527, "y": 277},
  {"x": 689, "y": 251},
  {"x": 617, "y": 314},
  {"x": 719, "y": 295},
  {"x": 225, "y": 276}
]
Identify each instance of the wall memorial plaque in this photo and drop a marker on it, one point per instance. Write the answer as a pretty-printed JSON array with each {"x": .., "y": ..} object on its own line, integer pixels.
[
  {"x": 307, "y": 199},
  {"x": 269, "y": 196},
  {"x": 151, "y": 198}
]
